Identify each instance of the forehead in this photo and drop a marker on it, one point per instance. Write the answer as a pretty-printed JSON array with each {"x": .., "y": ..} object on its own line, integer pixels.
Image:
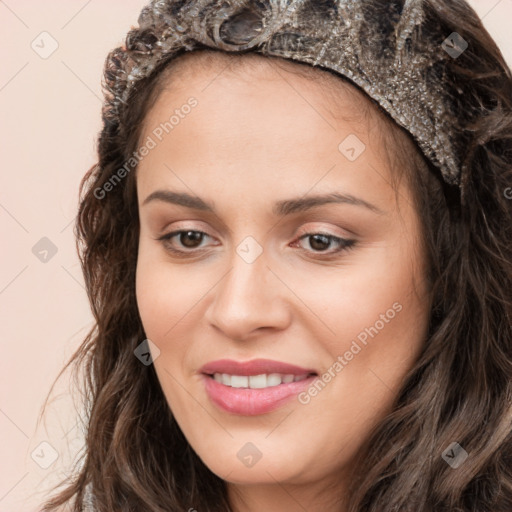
[
  {"x": 250, "y": 66},
  {"x": 220, "y": 81},
  {"x": 261, "y": 121}
]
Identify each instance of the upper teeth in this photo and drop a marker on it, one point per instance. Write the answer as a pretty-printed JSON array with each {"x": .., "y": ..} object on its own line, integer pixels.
[{"x": 256, "y": 381}]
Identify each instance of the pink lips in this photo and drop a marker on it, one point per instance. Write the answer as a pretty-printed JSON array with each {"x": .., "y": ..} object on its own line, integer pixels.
[{"x": 246, "y": 401}]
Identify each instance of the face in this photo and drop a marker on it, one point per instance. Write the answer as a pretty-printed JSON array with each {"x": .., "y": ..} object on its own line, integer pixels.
[{"x": 280, "y": 277}]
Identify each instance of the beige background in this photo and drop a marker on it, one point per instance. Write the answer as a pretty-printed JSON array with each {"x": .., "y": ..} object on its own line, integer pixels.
[{"x": 50, "y": 116}]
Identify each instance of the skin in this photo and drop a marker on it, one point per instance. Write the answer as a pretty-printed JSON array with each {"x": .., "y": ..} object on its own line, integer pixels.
[{"x": 259, "y": 135}]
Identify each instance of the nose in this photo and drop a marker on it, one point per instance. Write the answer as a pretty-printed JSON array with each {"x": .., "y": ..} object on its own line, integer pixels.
[{"x": 249, "y": 298}]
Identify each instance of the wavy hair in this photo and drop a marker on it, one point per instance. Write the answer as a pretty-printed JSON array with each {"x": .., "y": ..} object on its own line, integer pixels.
[{"x": 460, "y": 388}]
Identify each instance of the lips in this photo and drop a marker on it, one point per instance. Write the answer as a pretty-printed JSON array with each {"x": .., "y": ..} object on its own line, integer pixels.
[{"x": 243, "y": 400}]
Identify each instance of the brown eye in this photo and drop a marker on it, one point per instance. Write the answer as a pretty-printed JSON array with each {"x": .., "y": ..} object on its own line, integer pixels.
[
  {"x": 321, "y": 242},
  {"x": 190, "y": 238},
  {"x": 187, "y": 239}
]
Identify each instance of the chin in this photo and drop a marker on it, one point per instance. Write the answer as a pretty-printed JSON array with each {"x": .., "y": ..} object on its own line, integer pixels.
[{"x": 264, "y": 471}]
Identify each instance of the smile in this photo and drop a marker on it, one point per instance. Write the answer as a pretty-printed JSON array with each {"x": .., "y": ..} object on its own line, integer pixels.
[
  {"x": 253, "y": 387},
  {"x": 257, "y": 381}
]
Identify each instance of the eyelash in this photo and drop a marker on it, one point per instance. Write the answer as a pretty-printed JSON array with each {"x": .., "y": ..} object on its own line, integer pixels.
[{"x": 345, "y": 243}]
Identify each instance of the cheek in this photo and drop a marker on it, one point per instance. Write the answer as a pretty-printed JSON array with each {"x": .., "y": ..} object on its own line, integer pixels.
[
  {"x": 370, "y": 299},
  {"x": 166, "y": 298},
  {"x": 372, "y": 326},
  {"x": 379, "y": 328},
  {"x": 165, "y": 295}
]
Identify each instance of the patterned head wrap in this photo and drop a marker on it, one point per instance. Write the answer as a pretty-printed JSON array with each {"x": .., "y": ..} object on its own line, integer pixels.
[{"x": 379, "y": 45}]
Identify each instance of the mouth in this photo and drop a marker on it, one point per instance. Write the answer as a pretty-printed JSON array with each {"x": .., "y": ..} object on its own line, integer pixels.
[{"x": 254, "y": 387}]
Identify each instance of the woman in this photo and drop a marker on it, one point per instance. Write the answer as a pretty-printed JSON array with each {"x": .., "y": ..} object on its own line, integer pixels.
[{"x": 297, "y": 248}]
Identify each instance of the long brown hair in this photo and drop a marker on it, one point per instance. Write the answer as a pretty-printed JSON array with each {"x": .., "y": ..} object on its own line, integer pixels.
[{"x": 459, "y": 390}]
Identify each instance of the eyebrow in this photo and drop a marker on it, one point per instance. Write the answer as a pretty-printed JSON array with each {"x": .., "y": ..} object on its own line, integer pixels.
[{"x": 280, "y": 208}]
